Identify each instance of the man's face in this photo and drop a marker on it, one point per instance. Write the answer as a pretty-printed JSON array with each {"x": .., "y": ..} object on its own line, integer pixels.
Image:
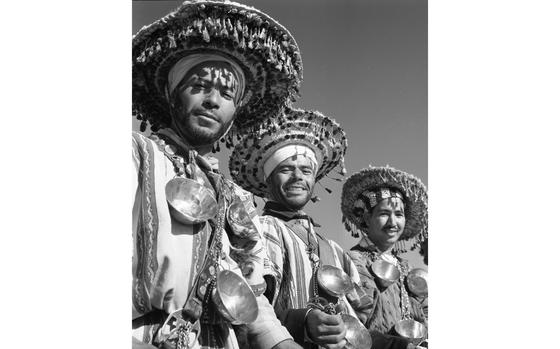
[
  {"x": 386, "y": 223},
  {"x": 205, "y": 104},
  {"x": 292, "y": 181}
]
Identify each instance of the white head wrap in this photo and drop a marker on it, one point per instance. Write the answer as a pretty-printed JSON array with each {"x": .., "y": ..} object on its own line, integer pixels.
[
  {"x": 182, "y": 67},
  {"x": 286, "y": 152}
]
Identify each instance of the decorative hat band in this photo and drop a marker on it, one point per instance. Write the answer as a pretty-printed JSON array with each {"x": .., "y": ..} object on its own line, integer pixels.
[
  {"x": 376, "y": 196},
  {"x": 286, "y": 152}
]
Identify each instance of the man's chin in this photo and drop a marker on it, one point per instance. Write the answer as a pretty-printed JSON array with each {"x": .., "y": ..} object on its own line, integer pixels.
[
  {"x": 297, "y": 202},
  {"x": 200, "y": 136}
]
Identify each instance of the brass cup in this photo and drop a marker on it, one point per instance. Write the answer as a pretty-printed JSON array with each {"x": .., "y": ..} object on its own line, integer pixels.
[
  {"x": 385, "y": 273},
  {"x": 357, "y": 335},
  {"x": 334, "y": 281},
  {"x": 234, "y": 298},
  {"x": 417, "y": 282},
  {"x": 412, "y": 330},
  {"x": 189, "y": 201}
]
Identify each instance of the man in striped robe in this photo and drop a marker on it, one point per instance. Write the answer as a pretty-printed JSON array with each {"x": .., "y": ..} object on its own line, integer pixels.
[
  {"x": 192, "y": 80},
  {"x": 283, "y": 166}
]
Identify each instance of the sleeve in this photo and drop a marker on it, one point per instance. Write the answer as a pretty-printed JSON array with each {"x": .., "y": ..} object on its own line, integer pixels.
[
  {"x": 274, "y": 262},
  {"x": 266, "y": 331},
  {"x": 135, "y": 168},
  {"x": 136, "y": 203}
]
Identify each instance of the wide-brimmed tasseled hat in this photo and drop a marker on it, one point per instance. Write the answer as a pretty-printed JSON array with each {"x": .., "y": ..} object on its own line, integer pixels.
[
  {"x": 311, "y": 129},
  {"x": 265, "y": 51},
  {"x": 361, "y": 191}
]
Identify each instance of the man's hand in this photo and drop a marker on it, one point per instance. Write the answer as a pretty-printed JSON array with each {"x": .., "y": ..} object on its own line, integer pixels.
[{"x": 326, "y": 330}]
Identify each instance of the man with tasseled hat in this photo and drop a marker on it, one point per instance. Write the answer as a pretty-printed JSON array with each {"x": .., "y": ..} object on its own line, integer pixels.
[
  {"x": 281, "y": 162},
  {"x": 204, "y": 74}
]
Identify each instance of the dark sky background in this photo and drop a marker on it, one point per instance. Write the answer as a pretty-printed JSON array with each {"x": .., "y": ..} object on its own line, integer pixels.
[{"x": 365, "y": 64}]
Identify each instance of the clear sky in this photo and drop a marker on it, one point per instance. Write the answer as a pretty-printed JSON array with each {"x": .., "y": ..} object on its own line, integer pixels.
[{"x": 365, "y": 64}]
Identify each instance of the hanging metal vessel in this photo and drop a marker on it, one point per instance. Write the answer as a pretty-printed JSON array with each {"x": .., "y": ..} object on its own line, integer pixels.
[
  {"x": 189, "y": 201},
  {"x": 234, "y": 298},
  {"x": 334, "y": 280},
  {"x": 240, "y": 221},
  {"x": 357, "y": 335},
  {"x": 417, "y": 282},
  {"x": 412, "y": 330},
  {"x": 385, "y": 273}
]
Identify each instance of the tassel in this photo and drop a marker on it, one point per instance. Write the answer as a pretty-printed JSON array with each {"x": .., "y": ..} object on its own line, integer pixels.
[
  {"x": 326, "y": 189},
  {"x": 205, "y": 35},
  {"x": 171, "y": 38},
  {"x": 235, "y": 37}
]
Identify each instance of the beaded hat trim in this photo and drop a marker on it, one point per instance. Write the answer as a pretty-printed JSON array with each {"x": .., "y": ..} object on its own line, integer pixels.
[
  {"x": 294, "y": 126},
  {"x": 368, "y": 180},
  {"x": 263, "y": 48}
]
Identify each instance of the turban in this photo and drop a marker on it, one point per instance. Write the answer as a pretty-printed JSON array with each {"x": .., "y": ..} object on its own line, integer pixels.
[
  {"x": 286, "y": 152},
  {"x": 184, "y": 65}
]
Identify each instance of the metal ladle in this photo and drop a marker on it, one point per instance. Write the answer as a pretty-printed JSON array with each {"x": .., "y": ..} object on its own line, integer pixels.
[
  {"x": 337, "y": 283},
  {"x": 334, "y": 281}
]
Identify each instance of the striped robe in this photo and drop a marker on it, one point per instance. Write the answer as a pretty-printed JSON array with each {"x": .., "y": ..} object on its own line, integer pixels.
[
  {"x": 387, "y": 303},
  {"x": 290, "y": 286},
  {"x": 168, "y": 255}
]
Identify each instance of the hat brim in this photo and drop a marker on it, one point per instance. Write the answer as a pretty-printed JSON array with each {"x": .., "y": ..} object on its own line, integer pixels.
[{"x": 264, "y": 49}]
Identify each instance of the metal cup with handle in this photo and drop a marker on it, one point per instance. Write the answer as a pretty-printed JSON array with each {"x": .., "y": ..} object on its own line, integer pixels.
[{"x": 335, "y": 282}]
